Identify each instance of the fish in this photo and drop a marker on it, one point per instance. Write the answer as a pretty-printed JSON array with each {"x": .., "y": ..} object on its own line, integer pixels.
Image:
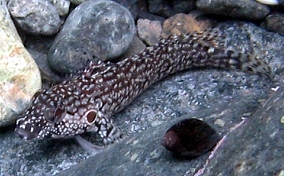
[{"x": 86, "y": 103}]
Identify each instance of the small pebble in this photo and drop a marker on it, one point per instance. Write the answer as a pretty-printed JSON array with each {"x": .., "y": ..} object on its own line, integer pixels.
[
  {"x": 38, "y": 17},
  {"x": 149, "y": 31},
  {"x": 282, "y": 119},
  {"x": 274, "y": 23},
  {"x": 190, "y": 138},
  {"x": 184, "y": 24}
]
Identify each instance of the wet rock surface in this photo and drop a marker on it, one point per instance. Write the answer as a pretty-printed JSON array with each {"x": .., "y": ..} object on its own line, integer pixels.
[
  {"x": 257, "y": 146},
  {"x": 93, "y": 28},
  {"x": 142, "y": 153}
]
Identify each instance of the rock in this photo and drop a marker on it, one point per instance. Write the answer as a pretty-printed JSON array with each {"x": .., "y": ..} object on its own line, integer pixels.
[
  {"x": 94, "y": 30},
  {"x": 77, "y": 1},
  {"x": 142, "y": 154},
  {"x": 136, "y": 46},
  {"x": 184, "y": 6},
  {"x": 62, "y": 6},
  {"x": 183, "y": 24},
  {"x": 20, "y": 77},
  {"x": 249, "y": 9},
  {"x": 281, "y": 2},
  {"x": 167, "y": 9},
  {"x": 39, "y": 17},
  {"x": 131, "y": 5},
  {"x": 161, "y": 8},
  {"x": 256, "y": 148},
  {"x": 149, "y": 31},
  {"x": 38, "y": 47},
  {"x": 275, "y": 23},
  {"x": 268, "y": 2}
]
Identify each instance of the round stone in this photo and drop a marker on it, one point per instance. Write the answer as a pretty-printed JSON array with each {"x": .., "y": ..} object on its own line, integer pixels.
[
  {"x": 190, "y": 138},
  {"x": 94, "y": 30}
]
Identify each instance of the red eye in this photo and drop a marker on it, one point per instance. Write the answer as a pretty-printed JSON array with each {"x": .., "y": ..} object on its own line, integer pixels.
[
  {"x": 58, "y": 112},
  {"x": 91, "y": 116},
  {"x": 56, "y": 116}
]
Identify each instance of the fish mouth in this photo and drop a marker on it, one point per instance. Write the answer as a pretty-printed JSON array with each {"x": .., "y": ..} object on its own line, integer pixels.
[{"x": 25, "y": 134}]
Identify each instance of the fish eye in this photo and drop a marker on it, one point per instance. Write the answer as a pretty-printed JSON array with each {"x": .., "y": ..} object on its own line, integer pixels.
[
  {"x": 91, "y": 116},
  {"x": 54, "y": 116}
]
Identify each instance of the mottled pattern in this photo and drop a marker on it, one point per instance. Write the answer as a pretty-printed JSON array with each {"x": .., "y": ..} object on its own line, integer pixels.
[{"x": 87, "y": 103}]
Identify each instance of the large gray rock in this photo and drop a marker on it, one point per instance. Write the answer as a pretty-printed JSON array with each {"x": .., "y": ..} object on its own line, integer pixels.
[
  {"x": 254, "y": 148},
  {"x": 94, "y": 30},
  {"x": 19, "y": 75},
  {"x": 249, "y": 9}
]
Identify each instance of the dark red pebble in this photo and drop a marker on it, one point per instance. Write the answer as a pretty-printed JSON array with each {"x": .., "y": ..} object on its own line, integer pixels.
[{"x": 190, "y": 138}]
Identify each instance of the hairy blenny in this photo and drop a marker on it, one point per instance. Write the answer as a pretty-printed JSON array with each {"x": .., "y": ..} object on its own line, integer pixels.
[{"x": 86, "y": 103}]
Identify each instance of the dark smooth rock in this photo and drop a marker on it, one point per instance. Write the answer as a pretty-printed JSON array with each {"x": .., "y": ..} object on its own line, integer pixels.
[
  {"x": 161, "y": 7},
  {"x": 275, "y": 23},
  {"x": 94, "y": 30},
  {"x": 168, "y": 9},
  {"x": 249, "y": 9},
  {"x": 256, "y": 148},
  {"x": 145, "y": 14},
  {"x": 38, "y": 47},
  {"x": 131, "y": 5},
  {"x": 190, "y": 138},
  {"x": 183, "y": 6}
]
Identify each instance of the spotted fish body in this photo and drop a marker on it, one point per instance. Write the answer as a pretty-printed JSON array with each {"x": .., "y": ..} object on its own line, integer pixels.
[{"x": 87, "y": 103}]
